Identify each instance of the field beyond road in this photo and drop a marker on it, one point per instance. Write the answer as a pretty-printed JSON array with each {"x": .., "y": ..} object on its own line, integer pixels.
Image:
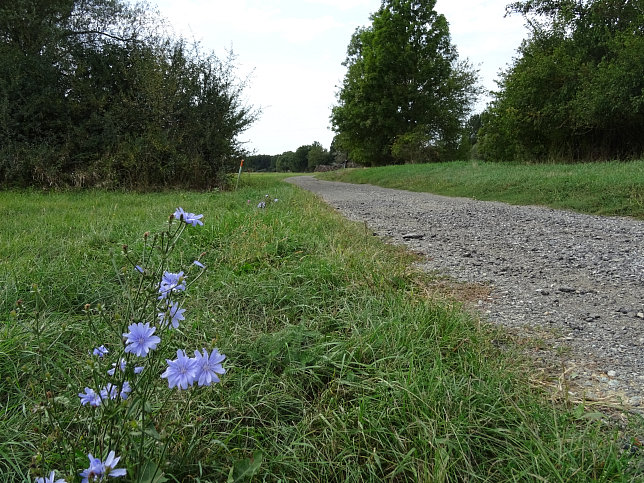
[
  {"x": 340, "y": 364},
  {"x": 608, "y": 188}
]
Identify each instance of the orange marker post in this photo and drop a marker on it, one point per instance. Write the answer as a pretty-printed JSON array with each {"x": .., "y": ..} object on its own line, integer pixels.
[{"x": 241, "y": 165}]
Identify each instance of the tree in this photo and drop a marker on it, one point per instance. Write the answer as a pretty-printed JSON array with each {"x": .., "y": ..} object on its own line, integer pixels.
[
  {"x": 287, "y": 161},
  {"x": 301, "y": 158},
  {"x": 337, "y": 154},
  {"x": 576, "y": 89},
  {"x": 90, "y": 94},
  {"x": 403, "y": 81},
  {"x": 260, "y": 162},
  {"x": 317, "y": 155}
]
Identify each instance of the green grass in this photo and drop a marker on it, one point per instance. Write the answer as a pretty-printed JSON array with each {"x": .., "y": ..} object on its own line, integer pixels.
[
  {"x": 615, "y": 188},
  {"x": 338, "y": 367}
]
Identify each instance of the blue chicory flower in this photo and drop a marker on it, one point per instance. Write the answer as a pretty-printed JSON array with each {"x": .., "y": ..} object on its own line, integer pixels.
[
  {"x": 112, "y": 392},
  {"x": 139, "y": 269},
  {"x": 140, "y": 339},
  {"x": 95, "y": 471},
  {"x": 122, "y": 364},
  {"x": 50, "y": 479},
  {"x": 181, "y": 372},
  {"x": 175, "y": 313},
  {"x": 262, "y": 204},
  {"x": 90, "y": 397},
  {"x": 188, "y": 218},
  {"x": 101, "y": 351},
  {"x": 170, "y": 283},
  {"x": 98, "y": 470},
  {"x": 199, "y": 264},
  {"x": 109, "y": 392},
  {"x": 208, "y": 366},
  {"x": 125, "y": 390}
]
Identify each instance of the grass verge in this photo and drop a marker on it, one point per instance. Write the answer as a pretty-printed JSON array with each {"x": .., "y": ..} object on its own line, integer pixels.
[
  {"x": 338, "y": 367},
  {"x": 615, "y": 188}
]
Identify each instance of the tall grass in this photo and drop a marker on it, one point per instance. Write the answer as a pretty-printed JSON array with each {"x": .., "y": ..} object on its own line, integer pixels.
[
  {"x": 615, "y": 188},
  {"x": 338, "y": 367}
]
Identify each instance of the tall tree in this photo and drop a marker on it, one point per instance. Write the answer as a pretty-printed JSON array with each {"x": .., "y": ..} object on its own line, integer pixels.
[{"x": 404, "y": 84}]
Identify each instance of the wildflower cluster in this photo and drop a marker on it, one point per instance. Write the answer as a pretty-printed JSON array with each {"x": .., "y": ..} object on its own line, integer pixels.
[
  {"x": 266, "y": 201},
  {"x": 203, "y": 368},
  {"x": 129, "y": 385}
]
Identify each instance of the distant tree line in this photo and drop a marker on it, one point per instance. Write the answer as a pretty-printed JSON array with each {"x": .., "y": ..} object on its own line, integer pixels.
[
  {"x": 95, "y": 93},
  {"x": 576, "y": 89},
  {"x": 305, "y": 158}
]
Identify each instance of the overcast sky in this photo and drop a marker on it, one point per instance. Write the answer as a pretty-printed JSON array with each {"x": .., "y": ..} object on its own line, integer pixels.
[{"x": 293, "y": 51}]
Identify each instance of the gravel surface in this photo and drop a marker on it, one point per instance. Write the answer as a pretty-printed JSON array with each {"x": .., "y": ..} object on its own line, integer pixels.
[{"x": 571, "y": 285}]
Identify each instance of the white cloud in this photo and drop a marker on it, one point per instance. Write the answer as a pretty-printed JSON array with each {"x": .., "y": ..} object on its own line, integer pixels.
[
  {"x": 241, "y": 18},
  {"x": 299, "y": 30},
  {"x": 344, "y": 4}
]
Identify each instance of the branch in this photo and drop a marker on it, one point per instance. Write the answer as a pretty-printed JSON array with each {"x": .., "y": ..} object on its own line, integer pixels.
[{"x": 98, "y": 32}]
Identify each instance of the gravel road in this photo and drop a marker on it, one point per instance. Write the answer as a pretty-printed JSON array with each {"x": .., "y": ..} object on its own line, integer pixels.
[{"x": 571, "y": 285}]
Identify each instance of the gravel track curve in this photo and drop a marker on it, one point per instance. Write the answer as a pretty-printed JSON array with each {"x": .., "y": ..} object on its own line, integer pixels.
[{"x": 570, "y": 283}]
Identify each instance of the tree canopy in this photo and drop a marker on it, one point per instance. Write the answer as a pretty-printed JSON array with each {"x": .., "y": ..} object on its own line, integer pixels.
[
  {"x": 576, "y": 88},
  {"x": 91, "y": 94},
  {"x": 405, "y": 94}
]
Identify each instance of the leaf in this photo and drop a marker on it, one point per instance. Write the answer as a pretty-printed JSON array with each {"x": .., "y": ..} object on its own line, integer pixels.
[
  {"x": 578, "y": 412},
  {"x": 151, "y": 473},
  {"x": 245, "y": 469},
  {"x": 593, "y": 416},
  {"x": 153, "y": 433}
]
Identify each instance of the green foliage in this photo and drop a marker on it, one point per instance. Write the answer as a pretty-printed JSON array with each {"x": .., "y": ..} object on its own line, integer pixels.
[
  {"x": 412, "y": 147},
  {"x": 576, "y": 90},
  {"x": 404, "y": 86},
  {"x": 260, "y": 162},
  {"x": 318, "y": 155},
  {"x": 305, "y": 158},
  {"x": 301, "y": 158},
  {"x": 287, "y": 161},
  {"x": 90, "y": 95}
]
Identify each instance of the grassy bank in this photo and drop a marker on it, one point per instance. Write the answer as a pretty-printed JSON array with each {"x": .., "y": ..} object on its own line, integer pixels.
[
  {"x": 598, "y": 188},
  {"x": 338, "y": 367}
]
